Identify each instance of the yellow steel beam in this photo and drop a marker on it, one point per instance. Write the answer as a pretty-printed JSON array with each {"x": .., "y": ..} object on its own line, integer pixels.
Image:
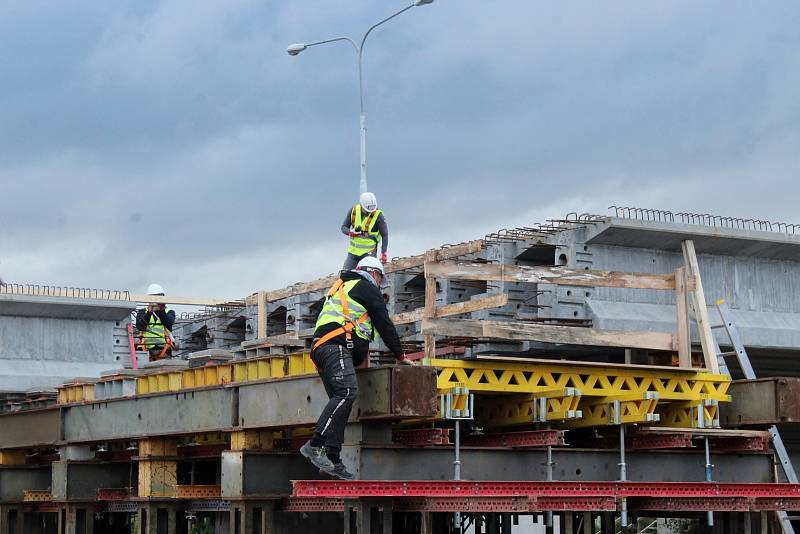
[
  {"x": 691, "y": 414},
  {"x": 593, "y": 381}
]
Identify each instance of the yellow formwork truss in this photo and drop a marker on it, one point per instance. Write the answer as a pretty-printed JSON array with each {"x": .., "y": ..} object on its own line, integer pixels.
[{"x": 577, "y": 395}]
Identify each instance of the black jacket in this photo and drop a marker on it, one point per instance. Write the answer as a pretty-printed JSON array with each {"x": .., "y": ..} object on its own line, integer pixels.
[
  {"x": 167, "y": 318},
  {"x": 380, "y": 224},
  {"x": 368, "y": 295}
]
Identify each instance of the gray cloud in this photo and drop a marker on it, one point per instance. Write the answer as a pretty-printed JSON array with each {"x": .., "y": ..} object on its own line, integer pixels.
[{"x": 177, "y": 141}]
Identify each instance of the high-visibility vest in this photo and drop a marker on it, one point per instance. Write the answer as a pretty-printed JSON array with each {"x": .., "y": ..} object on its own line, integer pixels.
[
  {"x": 340, "y": 309},
  {"x": 361, "y": 246},
  {"x": 156, "y": 334}
]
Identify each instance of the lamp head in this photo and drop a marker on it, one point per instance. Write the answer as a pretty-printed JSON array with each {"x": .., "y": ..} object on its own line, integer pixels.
[
  {"x": 422, "y": 2},
  {"x": 294, "y": 49}
]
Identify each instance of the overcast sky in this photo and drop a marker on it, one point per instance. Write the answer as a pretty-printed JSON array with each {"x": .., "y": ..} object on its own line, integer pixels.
[{"x": 177, "y": 142}]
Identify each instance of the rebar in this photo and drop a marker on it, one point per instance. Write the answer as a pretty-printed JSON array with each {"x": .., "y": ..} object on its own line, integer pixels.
[
  {"x": 38, "y": 290},
  {"x": 703, "y": 219}
]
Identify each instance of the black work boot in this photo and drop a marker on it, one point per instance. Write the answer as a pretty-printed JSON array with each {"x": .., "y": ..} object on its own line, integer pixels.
[
  {"x": 317, "y": 456},
  {"x": 339, "y": 471}
]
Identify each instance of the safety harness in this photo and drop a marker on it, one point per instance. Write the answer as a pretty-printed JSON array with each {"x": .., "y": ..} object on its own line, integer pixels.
[
  {"x": 168, "y": 343},
  {"x": 366, "y": 224},
  {"x": 349, "y": 324}
]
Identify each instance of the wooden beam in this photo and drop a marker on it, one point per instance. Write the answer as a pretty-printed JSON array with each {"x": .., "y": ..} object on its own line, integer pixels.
[
  {"x": 548, "y": 334},
  {"x": 293, "y": 339},
  {"x": 492, "y": 301},
  {"x": 683, "y": 340},
  {"x": 430, "y": 303},
  {"x": 551, "y": 275},
  {"x": 397, "y": 265},
  {"x": 187, "y": 301},
  {"x": 262, "y": 314},
  {"x": 439, "y": 254},
  {"x": 700, "y": 311}
]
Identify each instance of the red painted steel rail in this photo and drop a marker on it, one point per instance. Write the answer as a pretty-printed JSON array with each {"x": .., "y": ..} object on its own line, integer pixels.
[
  {"x": 520, "y": 496},
  {"x": 448, "y": 488}
]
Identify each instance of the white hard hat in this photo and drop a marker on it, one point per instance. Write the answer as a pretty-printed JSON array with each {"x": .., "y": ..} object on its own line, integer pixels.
[
  {"x": 368, "y": 201},
  {"x": 155, "y": 289},
  {"x": 369, "y": 263}
]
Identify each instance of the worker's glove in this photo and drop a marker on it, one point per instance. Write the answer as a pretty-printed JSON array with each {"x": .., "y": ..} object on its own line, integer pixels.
[
  {"x": 353, "y": 234},
  {"x": 405, "y": 360},
  {"x": 383, "y": 257}
]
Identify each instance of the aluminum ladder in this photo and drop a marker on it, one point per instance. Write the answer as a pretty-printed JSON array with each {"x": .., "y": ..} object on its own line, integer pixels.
[{"x": 747, "y": 369}]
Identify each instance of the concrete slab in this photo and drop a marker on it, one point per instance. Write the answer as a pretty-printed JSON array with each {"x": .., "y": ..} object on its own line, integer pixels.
[
  {"x": 707, "y": 239},
  {"x": 65, "y": 307}
]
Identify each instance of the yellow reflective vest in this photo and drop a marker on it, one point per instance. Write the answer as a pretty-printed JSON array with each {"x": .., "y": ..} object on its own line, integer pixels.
[
  {"x": 361, "y": 246},
  {"x": 156, "y": 334},
  {"x": 341, "y": 309}
]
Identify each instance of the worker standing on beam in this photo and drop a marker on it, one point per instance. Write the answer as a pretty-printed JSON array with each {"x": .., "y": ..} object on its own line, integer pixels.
[
  {"x": 366, "y": 226},
  {"x": 353, "y": 309},
  {"x": 155, "y": 326}
]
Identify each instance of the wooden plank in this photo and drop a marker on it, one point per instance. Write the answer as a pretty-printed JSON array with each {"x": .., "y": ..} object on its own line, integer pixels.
[
  {"x": 401, "y": 264},
  {"x": 547, "y": 334},
  {"x": 708, "y": 432},
  {"x": 187, "y": 301},
  {"x": 430, "y": 303},
  {"x": 700, "y": 310},
  {"x": 551, "y": 275},
  {"x": 492, "y": 301},
  {"x": 439, "y": 254},
  {"x": 262, "y": 314},
  {"x": 682, "y": 304},
  {"x": 288, "y": 340}
]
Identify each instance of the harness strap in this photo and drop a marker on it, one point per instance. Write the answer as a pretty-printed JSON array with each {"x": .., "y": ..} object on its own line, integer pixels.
[{"x": 347, "y": 328}]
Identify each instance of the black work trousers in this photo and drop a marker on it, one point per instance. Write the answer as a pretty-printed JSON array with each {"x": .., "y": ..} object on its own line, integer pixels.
[
  {"x": 335, "y": 367},
  {"x": 351, "y": 260}
]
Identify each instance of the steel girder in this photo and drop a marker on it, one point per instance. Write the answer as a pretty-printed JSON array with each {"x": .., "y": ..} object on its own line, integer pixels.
[{"x": 577, "y": 395}]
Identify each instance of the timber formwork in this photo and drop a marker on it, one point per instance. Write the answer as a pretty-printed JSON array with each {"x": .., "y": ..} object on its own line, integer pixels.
[{"x": 166, "y": 450}]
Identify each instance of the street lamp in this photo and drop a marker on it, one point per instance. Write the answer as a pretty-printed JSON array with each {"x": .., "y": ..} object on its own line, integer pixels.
[{"x": 296, "y": 48}]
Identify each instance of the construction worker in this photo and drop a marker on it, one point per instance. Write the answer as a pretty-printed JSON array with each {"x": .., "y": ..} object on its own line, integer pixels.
[
  {"x": 155, "y": 326},
  {"x": 353, "y": 309},
  {"x": 366, "y": 226}
]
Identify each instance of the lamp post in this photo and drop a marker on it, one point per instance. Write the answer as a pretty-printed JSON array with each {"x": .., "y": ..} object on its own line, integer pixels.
[{"x": 296, "y": 48}]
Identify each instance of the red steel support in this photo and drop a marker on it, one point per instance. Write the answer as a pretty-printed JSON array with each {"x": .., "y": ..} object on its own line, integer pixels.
[
  {"x": 679, "y": 440},
  {"x": 739, "y": 444},
  {"x": 444, "y": 351},
  {"x": 420, "y": 437},
  {"x": 533, "y": 438},
  {"x": 450, "y": 488},
  {"x": 520, "y": 497},
  {"x": 115, "y": 494},
  {"x": 462, "y": 504}
]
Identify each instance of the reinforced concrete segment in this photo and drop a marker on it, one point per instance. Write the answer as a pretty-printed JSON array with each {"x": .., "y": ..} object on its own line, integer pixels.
[
  {"x": 65, "y": 307},
  {"x": 46, "y": 340},
  {"x": 707, "y": 239}
]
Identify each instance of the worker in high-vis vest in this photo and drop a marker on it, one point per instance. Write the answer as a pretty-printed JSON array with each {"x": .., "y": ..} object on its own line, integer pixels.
[
  {"x": 366, "y": 226},
  {"x": 353, "y": 310},
  {"x": 154, "y": 324}
]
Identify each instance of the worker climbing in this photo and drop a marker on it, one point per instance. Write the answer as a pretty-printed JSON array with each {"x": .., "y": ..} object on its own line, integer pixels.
[
  {"x": 353, "y": 309},
  {"x": 155, "y": 326},
  {"x": 366, "y": 226}
]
